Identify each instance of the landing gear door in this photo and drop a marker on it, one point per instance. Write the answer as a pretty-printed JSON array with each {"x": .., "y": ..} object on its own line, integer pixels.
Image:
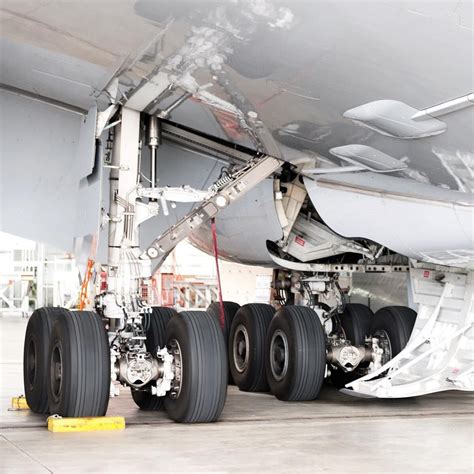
[{"x": 50, "y": 186}]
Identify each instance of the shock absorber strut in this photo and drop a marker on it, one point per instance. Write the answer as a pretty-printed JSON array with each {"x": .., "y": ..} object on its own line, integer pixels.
[{"x": 153, "y": 143}]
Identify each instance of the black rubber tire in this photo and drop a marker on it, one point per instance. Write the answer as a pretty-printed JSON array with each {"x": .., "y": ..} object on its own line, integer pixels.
[
  {"x": 155, "y": 336},
  {"x": 204, "y": 368},
  {"x": 230, "y": 310},
  {"x": 397, "y": 322},
  {"x": 356, "y": 321},
  {"x": 80, "y": 341},
  {"x": 35, "y": 358},
  {"x": 255, "y": 319},
  {"x": 304, "y": 375}
]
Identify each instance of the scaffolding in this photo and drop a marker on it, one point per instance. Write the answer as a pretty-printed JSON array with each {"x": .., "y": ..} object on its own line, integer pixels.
[{"x": 34, "y": 275}]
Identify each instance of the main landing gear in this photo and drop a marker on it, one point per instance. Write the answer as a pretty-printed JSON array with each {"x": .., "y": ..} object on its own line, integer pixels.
[
  {"x": 67, "y": 365},
  {"x": 75, "y": 360},
  {"x": 289, "y": 352}
]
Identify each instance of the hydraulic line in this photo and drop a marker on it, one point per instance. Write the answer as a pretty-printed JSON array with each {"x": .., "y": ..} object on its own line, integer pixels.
[{"x": 219, "y": 286}]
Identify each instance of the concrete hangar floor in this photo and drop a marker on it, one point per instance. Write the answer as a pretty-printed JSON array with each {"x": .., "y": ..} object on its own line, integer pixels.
[{"x": 336, "y": 433}]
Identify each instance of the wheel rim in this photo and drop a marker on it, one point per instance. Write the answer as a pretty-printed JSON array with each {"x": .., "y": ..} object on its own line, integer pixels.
[
  {"x": 241, "y": 348},
  {"x": 279, "y": 355},
  {"x": 175, "y": 349},
  {"x": 32, "y": 363},
  {"x": 56, "y": 378},
  {"x": 384, "y": 343}
]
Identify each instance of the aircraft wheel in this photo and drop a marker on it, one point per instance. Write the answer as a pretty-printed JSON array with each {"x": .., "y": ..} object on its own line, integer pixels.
[
  {"x": 35, "y": 357},
  {"x": 155, "y": 337},
  {"x": 247, "y": 346},
  {"x": 79, "y": 365},
  {"x": 230, "y": 309},
  {"x": 393, "y": 326},
  {"x": 295, "y": 354},
  {"x": 199, "y": 389},
  {"x": 356, "y": 321}
]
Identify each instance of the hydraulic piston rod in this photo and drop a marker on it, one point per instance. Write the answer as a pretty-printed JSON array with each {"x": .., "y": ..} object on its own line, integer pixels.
[{"x": 153, "y": 142}]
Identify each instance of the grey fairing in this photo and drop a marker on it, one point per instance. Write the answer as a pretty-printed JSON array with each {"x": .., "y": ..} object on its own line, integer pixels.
[
  {"x": 418, "y": 220},
  {"x": 244, "y": 228},
  {"x": 50, "y": 184}
]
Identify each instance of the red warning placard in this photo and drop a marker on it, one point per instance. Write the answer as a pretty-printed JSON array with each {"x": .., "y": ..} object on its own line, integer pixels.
[{"x": 299, "y": 240}]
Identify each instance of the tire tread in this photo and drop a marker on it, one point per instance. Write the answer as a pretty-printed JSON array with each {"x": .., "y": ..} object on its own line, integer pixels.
[
  {"x": 202, "y": 400},
  {"x": 40, "y": 326},
  {"x": 307, "y": 348},
  {"x": 87, "y": 360},
  {"x": 256, "y": 317},
  {"x": 398, "y": 322}
]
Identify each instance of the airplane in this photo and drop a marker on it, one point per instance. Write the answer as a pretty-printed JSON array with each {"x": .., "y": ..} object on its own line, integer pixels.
[{"x": 326, "y": 140}]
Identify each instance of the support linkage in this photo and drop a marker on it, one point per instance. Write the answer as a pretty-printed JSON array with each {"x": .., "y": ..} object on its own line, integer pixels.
[{"x": 222, "y": 195}]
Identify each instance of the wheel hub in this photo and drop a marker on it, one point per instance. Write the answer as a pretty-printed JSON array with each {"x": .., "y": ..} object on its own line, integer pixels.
[
  {"x": 279, "y": 355},
  {"x": 240, "y": 349},
  {"x": 175, "y": 350},
  {"x": 384, "y": 344},
  {"x": 140, "y": 370},
  {"x": 56, "y": 371},
  {"x": 31, "y": 362}
]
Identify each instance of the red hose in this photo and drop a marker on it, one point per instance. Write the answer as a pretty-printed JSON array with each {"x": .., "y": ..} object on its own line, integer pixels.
[{"x": 216, "y": 256}]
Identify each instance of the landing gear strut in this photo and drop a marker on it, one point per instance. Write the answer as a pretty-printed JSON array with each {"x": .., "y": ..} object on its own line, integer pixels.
[{"x": 176, "y": 361}]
